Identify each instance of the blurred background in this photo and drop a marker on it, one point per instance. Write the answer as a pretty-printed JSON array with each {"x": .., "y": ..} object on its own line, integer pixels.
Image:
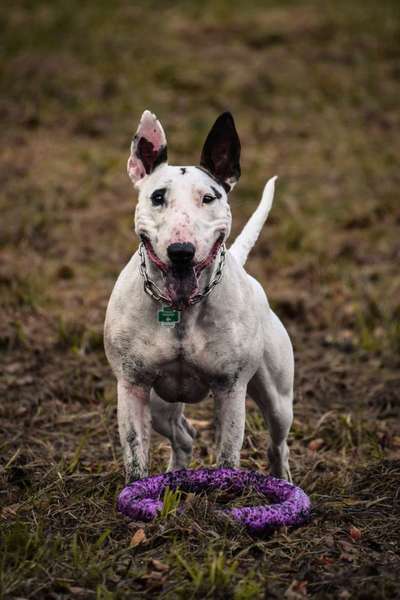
[{"x": 314, "y": 89}]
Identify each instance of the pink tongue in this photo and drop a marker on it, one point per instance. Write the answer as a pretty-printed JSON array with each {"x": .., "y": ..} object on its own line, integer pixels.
[{"x": 181, "y": 284}]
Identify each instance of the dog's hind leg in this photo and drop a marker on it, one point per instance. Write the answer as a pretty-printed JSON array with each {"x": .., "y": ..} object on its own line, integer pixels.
[
  {"x": 167, "y": 419},
  {"x": 272, "y": 390},
  {"x": 276, "y": 409}
]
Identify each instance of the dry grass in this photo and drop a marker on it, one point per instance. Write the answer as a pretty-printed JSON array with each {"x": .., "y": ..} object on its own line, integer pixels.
[{"x": 314, "y": 88}]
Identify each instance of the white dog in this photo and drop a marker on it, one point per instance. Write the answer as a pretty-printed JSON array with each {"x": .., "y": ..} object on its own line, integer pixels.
[{"x": 185, "y": 319}]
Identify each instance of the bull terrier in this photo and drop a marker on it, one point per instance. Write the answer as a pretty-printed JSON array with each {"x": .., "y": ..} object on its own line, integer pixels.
[{"x": 185, "y": 319}]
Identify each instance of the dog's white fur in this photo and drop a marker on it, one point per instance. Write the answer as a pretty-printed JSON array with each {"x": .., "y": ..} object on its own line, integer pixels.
[{"x": 228, "y": 344}]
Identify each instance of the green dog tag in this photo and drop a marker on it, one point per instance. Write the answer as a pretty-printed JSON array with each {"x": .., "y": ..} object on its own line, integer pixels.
[{"x": 168, "y": 316}]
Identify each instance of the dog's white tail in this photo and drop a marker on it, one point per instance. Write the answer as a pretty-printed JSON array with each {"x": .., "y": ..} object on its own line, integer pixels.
[{"x": 250, "y": 232}]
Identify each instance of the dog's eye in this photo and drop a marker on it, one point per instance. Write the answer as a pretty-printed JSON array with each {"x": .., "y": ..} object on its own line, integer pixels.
[
  {"x": 208, "y": 198},
  {"x": 158, "y": 197}
]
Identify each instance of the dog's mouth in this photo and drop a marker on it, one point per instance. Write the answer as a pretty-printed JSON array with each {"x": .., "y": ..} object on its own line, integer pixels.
[{"x": 182, "y": 280}]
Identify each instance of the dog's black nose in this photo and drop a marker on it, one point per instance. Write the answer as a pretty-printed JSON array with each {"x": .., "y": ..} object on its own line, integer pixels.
[{"x": 181, "y": 253}]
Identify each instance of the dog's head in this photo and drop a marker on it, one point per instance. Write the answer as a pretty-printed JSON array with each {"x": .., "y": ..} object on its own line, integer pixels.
[{"x": 183, "y": 215}]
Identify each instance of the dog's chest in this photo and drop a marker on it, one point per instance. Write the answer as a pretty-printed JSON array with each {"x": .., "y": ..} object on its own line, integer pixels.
[
  {"x": 182, "y": 364},
  {"x": 181, "y": 381}
]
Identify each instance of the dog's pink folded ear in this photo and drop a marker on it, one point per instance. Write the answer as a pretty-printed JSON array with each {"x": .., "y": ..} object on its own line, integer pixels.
[
  {"x": 221, "y": 152},
  {"x": 148, "y": 148}
]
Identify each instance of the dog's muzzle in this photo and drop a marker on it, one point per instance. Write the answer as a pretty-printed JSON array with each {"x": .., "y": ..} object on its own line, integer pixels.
[{"x": 182, "y": 277}]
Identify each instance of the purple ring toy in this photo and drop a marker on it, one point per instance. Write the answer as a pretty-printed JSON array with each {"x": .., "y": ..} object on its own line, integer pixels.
[{"x": 142, "y": 499}]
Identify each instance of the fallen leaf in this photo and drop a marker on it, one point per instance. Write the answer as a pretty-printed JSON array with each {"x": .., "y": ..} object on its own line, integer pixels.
[
  {"x": 315, "y": 445},
  {"x": 158, "y": 565},
  {"x": 138, "y": 538},
  {"x": 355, "y": 533},
  {"x": 297, "y": 590},
  {"x": 200, "y": 424},
  {"x": 348, "y": 551},
  {"x": 155, "y": 576}
]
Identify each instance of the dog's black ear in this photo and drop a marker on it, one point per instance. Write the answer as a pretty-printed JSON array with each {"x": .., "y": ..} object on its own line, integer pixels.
[
  {"x": 221, "y": 152},
  {"x": 148, "y": 149}
]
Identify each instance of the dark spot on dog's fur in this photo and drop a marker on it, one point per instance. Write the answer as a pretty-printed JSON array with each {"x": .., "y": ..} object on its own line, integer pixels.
[
  {"x": 183, "y": 170},
  {"x": 135, "y": 372},
  {"x": 218, "y": 194},
  {"x": 225, "y": 381},
  {"x": 225, "y": 460},
  {"x": 131, "y": 438},
  {"x": 237, "y": 373},
  {"x": 221, "y": 381},
  {"x": 133, "y": 469}
]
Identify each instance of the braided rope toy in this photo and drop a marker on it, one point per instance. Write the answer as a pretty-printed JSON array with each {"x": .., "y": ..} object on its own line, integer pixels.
[{"x": 142, "y": 499}]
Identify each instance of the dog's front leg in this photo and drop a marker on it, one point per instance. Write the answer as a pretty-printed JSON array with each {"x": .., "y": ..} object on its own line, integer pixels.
[
  {"x": 134, "y": 428},
  {"x": 230, "y": 422}
]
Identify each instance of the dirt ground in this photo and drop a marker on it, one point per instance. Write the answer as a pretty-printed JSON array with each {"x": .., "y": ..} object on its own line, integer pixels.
[{"x": 314, "y": 88}]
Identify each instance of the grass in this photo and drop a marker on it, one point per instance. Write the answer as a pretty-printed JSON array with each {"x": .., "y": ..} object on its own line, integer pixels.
[
  {"x": 314, "y": 88},
  {"x": 171, "y": 501}
]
